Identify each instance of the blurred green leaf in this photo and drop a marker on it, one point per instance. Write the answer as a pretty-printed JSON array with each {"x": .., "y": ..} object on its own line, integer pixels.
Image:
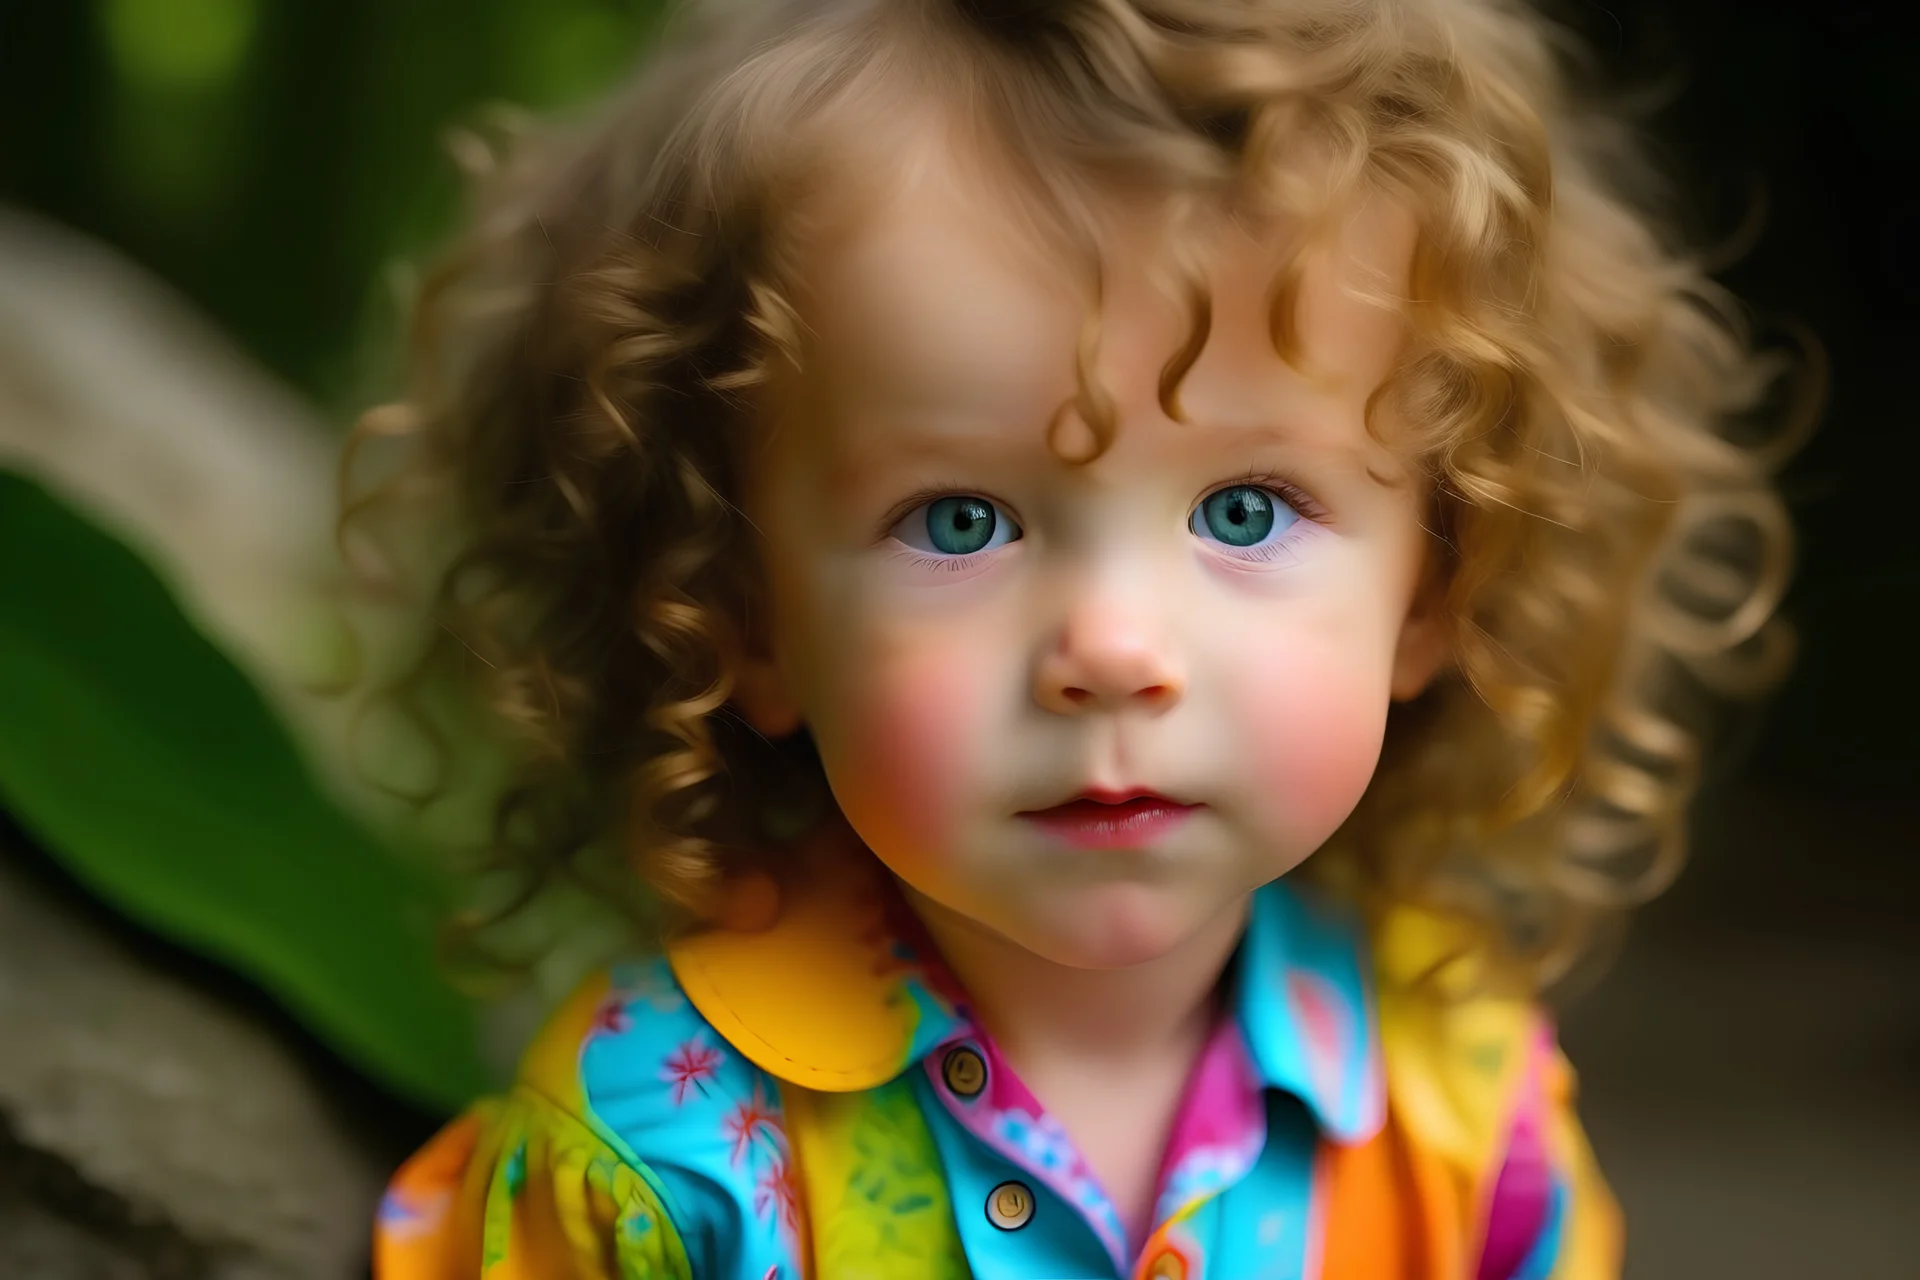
[
  {"x": 139, "y": 755},
  {"x": 179, "y": 44},
  {"x": 560, "y": 51}
]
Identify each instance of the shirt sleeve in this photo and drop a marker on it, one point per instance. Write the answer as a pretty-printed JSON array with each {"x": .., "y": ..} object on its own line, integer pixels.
[
  {"x": 518, "y": 1189},
  {"x": 1592, "y": 1239},
  {"x": 1550, "y": 1215}
]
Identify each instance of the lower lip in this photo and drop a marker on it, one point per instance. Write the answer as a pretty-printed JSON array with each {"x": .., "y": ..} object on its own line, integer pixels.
[{"x": 1088, "y": 824}]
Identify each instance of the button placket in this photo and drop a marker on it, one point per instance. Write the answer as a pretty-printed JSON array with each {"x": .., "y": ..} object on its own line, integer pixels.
[{"x": 1058, "y": 1238}]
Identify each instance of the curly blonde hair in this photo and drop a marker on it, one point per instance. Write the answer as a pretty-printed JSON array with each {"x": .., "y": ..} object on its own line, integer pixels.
[{"x": 584, "y": 365}]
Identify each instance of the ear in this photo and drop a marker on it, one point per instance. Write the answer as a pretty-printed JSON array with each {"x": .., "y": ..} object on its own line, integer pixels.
[
  {"x": 761, "y": 694},
  {"x": 1424, "y": 645}
]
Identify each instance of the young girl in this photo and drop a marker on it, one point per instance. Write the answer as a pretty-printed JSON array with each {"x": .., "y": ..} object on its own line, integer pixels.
[{"x": 1220, "y": 504}]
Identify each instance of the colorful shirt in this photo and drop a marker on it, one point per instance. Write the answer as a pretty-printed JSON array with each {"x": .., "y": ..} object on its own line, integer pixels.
[{"x": 818, "y": 1101}]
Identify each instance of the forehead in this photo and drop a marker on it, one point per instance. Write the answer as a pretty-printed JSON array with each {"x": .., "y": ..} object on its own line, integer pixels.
[
  {"x": 939, "y": 297},
  {"x": 931, "y": 287}
]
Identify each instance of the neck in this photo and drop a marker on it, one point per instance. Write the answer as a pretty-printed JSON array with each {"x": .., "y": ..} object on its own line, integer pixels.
[{"x": 1029, "y": 1003}]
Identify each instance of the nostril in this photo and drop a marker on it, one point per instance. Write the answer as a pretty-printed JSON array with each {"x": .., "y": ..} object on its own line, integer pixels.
[{"x": 1078, "y": 697}]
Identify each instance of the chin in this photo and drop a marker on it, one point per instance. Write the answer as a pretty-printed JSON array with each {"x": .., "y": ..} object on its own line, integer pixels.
[{"x": 1112, "y": 927}]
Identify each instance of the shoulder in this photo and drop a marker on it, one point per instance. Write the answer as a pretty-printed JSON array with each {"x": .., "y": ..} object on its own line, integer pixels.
[
  {"x": 637, "y": 1063},
  {"x": 1457, "y": 1050},
  {"x": 1477, "y": 1080},
  {"x": 539, "y": 1179},
  {"x": 641, "y": 1062}
]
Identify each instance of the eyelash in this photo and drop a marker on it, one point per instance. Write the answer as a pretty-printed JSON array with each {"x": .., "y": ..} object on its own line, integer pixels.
[
  {"x": 1296, "y": 497},
  {"x": 1291, "y": 493},
  {"x": 904, "y": 508}
]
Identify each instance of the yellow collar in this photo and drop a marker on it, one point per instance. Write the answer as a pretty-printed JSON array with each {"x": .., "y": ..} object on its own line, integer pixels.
[
  {"x": 842, "y": 995},
  {"x": 832, "y": 997}
]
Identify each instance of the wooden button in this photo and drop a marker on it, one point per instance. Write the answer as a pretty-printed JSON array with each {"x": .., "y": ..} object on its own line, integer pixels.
[
  {"x": 1010, "y": 1206},
  {"x": 1168, "y": 1266},
  {"x": 964, "y": 1071}
]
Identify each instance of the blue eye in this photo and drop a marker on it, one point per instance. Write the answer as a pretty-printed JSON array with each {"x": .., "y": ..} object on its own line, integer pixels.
[
  {"x": 1242, "y": 515},
  {"x": 956, "y": 525}
]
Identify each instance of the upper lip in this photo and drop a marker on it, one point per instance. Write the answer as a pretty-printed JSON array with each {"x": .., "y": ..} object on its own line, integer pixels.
[{"x": 1103, "y": 795}]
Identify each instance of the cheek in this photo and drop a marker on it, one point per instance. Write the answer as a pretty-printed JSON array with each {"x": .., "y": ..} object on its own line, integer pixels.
[
  {"x": 901, "y": 738},
  {"x": 1311, "y": 728}
]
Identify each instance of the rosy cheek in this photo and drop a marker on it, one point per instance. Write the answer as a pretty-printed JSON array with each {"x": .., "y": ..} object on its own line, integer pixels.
[
  {"x": 1311, "y": 729},
  {"x": 907, "y": 746}
]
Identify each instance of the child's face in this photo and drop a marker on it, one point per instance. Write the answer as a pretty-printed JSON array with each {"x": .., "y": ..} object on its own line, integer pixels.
[{"x": 975, "y": 630}]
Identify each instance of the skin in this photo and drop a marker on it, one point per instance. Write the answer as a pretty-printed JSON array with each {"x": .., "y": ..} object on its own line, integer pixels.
[{"x": 1109, "y": 645}]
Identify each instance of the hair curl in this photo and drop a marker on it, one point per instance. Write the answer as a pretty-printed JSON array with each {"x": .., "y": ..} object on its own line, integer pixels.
[{"x": 584, "y": 361}]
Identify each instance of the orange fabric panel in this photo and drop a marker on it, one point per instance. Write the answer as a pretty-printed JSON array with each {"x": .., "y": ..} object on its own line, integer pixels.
[{"x": 1392, "y": 1212}]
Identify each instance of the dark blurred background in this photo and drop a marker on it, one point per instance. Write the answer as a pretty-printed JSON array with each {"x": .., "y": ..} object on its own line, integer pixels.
[{"x": 1751, "y": 1066}]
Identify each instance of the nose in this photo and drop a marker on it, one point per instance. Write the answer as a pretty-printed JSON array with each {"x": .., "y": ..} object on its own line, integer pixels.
[{"x": 1107, "y": 658}]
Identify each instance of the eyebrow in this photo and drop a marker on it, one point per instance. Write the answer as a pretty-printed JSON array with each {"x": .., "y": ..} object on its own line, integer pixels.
[
  {"x": 853, "y": 467},
  {"x": 1356, "y": 454}
]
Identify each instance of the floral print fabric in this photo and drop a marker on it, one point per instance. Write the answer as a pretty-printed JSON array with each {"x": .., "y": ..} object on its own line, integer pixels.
[{"x": 642, "y": 1141}]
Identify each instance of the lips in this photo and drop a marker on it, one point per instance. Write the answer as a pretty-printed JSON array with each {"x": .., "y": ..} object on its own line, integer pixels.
[{"x": 1128, "y": 819}]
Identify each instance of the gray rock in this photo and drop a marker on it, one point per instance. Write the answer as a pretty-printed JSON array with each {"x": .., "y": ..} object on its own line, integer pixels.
[
  {"x": 35, "y": 1245},
  {"x": 196, "y": 1138}
]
